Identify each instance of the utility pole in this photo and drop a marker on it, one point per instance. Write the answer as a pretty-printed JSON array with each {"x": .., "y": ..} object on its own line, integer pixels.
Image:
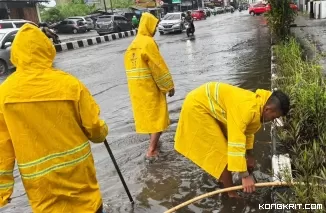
[
  {"x": 111, "y": 6},
  {"x": 105, "y": 6}
]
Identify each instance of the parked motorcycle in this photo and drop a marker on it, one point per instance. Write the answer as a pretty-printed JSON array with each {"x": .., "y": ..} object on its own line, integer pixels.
[
  {"x": 189, "y": 29},
  {"x": 134, "y": 26},
  {"x": 50, "y": 33},
  {"x": 55, "y": 37}
]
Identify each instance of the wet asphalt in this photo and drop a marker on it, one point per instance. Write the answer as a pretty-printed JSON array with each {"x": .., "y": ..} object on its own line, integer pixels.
[
  {"x": 232, "y": 48},
  {"x": 65, "y": 37}
]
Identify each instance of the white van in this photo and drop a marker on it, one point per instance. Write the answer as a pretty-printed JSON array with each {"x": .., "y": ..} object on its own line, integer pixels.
[{"x": 13, "y": 23}]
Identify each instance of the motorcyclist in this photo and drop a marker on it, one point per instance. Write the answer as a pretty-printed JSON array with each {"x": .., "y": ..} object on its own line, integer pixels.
[
  {"x": 135, "y": 21},
  {"x": 190, "y": 20},
  {"x": 46, "y": 30}
]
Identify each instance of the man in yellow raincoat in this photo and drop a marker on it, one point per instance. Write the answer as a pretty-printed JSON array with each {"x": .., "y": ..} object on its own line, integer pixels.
[
  {"x": 47, "y": 118},
  {"x": 217, "y": 126},
  {"x": 149, "y": 80}
]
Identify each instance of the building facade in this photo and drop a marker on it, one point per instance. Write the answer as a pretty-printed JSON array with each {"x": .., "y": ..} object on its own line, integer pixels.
[{"x": 22, "y": 9}]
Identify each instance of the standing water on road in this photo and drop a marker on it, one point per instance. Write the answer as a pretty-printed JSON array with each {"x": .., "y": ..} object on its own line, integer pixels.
[{"x": 231, "y": 48}]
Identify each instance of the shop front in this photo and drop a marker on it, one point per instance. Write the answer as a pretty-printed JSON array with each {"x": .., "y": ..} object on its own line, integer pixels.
[{"x": 22, "y": 9}]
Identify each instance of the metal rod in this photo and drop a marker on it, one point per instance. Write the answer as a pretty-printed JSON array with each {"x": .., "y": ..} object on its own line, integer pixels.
[
  {"x": 234, "y": 188},
  {"x": 118, "y": 170}
]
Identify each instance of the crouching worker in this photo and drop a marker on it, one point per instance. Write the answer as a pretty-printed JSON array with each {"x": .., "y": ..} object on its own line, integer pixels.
[
  {"x": 47, "y": 118},
  {"x": 217, "y": 126},
  {"x": 149, "y": 81}
]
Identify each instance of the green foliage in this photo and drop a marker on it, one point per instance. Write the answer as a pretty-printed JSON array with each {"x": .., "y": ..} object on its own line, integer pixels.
[
  {"x": 121, "y": 3},
  {"x": 304, "y": 131},
  {"x": 280, "y": 18},
  {"x": 78, "y": 8},
  {"x": 51, "y": 15},
  {"x": 60, "y": 12}
]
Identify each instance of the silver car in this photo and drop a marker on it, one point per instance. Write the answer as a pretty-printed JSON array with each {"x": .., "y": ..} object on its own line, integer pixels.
[
  {"x": 13, "y": 23},
  {"x": 6, "y": 38},
  {"x": 86, "y": 20},
  {"x": 172, "y": 22},
  {"x": 112, "y": 24}
]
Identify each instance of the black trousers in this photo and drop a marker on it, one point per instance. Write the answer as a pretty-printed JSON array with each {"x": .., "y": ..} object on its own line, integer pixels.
[{"x": 192, "y": 26}]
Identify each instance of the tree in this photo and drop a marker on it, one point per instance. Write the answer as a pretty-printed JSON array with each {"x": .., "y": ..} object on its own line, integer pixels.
[
  {"x": 60, "y": 12},
  {"x": 51, "y": 15},
  {"x": 280, "y": 18},
  {"x": 122, "y": 3}
]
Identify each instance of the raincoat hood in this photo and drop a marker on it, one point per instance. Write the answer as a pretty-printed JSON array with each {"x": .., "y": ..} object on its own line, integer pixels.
[
  {"x": 147, "y": 25},
  {"x": 262, "y": 96},
  {"x": 32, "y": 50}
]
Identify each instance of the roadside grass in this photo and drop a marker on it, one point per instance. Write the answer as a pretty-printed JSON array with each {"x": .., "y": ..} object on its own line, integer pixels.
[{"x": 304, "y": 130}]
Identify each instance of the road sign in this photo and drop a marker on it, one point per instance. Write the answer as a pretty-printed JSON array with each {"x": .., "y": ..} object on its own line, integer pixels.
[
  {"x": 176, "y": 1},
  {"x": 161, "y": 3}
]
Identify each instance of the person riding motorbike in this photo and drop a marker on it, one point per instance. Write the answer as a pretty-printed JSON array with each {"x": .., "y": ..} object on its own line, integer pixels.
[
  {"x": 135, "y": 22},
  {"x": 49, "y": 33},
  {"x": 190, "y": 20}
]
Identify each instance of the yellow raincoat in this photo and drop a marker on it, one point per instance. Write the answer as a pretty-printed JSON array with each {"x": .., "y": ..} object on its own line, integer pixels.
[
  {"x": 217, "y": 125},
  {"x": 46, "y": 119},
  {"x": 149, "y": 79}
]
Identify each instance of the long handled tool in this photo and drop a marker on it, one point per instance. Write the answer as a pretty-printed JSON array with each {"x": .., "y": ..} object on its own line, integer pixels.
[
  {"x": 267, "y": 184},
  {"x": 118, "y": 170}
]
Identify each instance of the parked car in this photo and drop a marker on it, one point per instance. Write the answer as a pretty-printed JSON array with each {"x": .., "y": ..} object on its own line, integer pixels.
[
  {"x": 257, "y": 9},
  {"x": 293, "y": 6},
  {"x": 246, "y": 6},
  {"x": 219, "y": 10},
  {"x": 229, "y": 8},
  {"x": 6, "y": 38},
  {"x": 13, "y": 23},
  {"x": 198, "y": 15},
  {"x": 207, "y": 12},
  {"x": 171, "y": 22},
  {"x": 112, "y": 24},
  {"x": 88, "y": 21},
  {"x": 71, "y": 26},
  {"x": 209, "y": 9}
]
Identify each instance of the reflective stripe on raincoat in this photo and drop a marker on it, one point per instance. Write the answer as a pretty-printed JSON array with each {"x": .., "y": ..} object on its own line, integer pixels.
[
  {"x": 217, "y": 125},
  {"x": 148, "y": 78},
  {"x": 46, "y": 119}
]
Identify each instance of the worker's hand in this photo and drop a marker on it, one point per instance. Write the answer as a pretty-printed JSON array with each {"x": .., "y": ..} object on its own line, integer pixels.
[
  {"x": 248, "y": 184},
  {"x": 171, "y": 92}
]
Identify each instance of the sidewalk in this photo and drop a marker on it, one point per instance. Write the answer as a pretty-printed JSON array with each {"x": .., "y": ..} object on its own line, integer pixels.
[
  {"x": 81, "y": 43},
  {"x": 313, "y": 31}
]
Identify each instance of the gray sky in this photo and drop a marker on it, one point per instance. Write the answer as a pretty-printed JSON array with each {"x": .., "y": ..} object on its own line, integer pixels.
[{"x": 50, "y": 4}]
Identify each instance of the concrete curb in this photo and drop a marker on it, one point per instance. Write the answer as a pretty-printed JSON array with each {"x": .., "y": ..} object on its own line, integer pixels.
[
  {"x": 281, "y": 162},
  {"x": 72, "y": 45}
]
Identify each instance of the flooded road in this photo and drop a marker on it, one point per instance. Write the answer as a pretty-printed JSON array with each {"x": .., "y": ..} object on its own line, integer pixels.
[{"x": 232, "y": 48}]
